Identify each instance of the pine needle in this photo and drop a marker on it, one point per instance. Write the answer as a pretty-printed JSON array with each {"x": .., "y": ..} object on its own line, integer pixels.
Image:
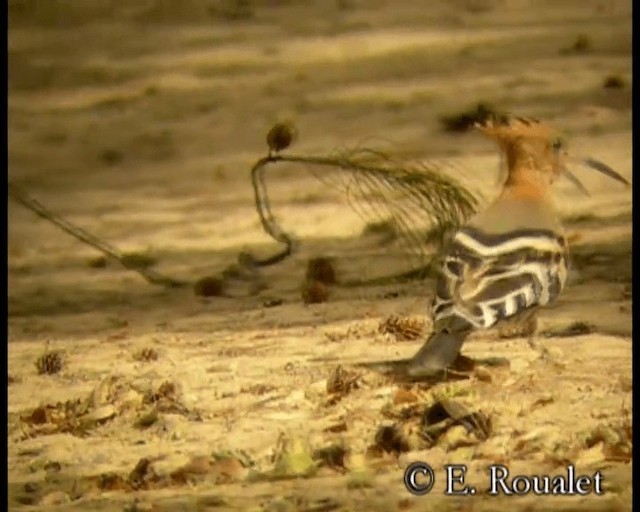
[{"x": 418, "y": 199}]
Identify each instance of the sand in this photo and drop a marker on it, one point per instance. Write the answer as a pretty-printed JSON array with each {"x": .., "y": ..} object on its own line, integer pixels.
[{"x": 140, "y": 124}]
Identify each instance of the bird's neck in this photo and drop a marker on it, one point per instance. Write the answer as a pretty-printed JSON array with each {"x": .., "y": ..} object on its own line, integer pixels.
[
  {"x": 528, "y": 174},
  {"x": 525, "y": 182}
]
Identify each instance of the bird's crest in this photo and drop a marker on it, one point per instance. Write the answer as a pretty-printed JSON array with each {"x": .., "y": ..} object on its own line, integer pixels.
[
  {"x": 509, "y": 131},
  {"x": 508, "y": 128}
]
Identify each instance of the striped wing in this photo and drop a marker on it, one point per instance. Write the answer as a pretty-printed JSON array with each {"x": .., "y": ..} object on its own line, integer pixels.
[{"x": 489, "y": 278}]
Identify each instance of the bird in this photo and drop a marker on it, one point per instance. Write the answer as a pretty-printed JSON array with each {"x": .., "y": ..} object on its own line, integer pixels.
[
  {"x": 510, "y": 260},
  {"x": 281, "y": 136}
]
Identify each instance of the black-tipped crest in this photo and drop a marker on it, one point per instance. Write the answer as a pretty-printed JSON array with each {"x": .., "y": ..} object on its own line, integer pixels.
[{"x": 507, "y": 129}]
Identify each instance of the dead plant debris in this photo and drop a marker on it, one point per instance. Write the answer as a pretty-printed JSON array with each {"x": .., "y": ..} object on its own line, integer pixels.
[
  {"x": 331, "y": 456},
  {"x": 614, "y": 82},
  {"x": 342, "y": 381},
  {"x": 280, "y": 136},
  {"x": 50, "y": 362},
  {"x": 627, "y": 291},
  {"x": 167, "y": 398},
  {"x": 111, "y": 398},
  {"x": 138, "y": 260},
  {"x": 616, "y": 440},
  {"x": 62, "y": 417},
  {"x": 209, "y": 286},
  {"x": 258, "y": 389},
  {"x": 418, "y": 427},
  {"x": 147, "y": 418},
  {"x": 581, "y": 45},
  {"x": 321, "y": 269},
  {"x": 272, "y": 302},
  {"x": 336, "y": 428},
  {"x": 403, "y": 328},
  {"x": 404, "y": 396},
  {"x": 146, "y": 354},
  {"x": 385, "y": 184},
  {"x": 578, "y": 328},
  {"x": 518, "y": 328},
  {"x": 387, "y": 229},
  {"x": 142, "y": 474},
  {"x": 216, "y": 468},
  {"x": 292, "y": 458},
  {"x": 315, "y": 292}
]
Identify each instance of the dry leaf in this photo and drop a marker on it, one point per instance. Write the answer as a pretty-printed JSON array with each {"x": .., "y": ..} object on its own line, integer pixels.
[{"x": 404, "y": 396}]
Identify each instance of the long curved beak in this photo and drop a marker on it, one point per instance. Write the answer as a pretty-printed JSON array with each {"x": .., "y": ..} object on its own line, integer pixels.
[
  {"x": 603, "y": 168},
  {"x": 591, "y": 163},
  {"x": 574, "y": 179}
]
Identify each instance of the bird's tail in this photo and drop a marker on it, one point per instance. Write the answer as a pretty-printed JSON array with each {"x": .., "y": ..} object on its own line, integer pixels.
[{"x": 439, "y": 352}]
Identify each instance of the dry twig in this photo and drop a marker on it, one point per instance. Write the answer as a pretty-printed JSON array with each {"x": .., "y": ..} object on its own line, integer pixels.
[{"x": 20, "y": 196}]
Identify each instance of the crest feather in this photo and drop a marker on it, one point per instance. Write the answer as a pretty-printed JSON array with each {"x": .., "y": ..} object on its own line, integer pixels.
[{"x": 509, "y": 128}]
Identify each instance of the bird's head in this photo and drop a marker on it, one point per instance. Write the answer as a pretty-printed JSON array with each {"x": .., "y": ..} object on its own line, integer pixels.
[{"x": 535, "y": 152}]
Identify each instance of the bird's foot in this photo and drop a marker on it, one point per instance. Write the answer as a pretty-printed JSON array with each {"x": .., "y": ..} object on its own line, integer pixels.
[
  {"x": 544, "y": 353},
  {"x": 404, "y": 370},
  {"x": 407, "y": 369},
  {"x": 435, "y": 356},
  {"x": 422, "y": 368},
  {"x": 538, "y": 346}
]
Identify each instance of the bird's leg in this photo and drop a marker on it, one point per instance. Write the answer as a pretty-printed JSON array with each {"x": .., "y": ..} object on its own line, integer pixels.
[
  {"x": 436, "y": 355},
  {"x": 533, "y": 339},
  {"x": 538, "y": 346}
]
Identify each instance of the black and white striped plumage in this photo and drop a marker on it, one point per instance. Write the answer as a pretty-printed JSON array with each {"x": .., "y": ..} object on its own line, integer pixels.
[
  {"x": 487, "y": 278},
  {"x": 508, "y": 260}
]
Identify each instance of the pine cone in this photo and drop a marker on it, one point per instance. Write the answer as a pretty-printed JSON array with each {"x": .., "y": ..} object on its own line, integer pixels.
[
  {"x": 321, "y": 269},
  {"x": 404, "y": 329},
  {"x": 281, "y": 136},
  {"x": 50, "y": 363}
]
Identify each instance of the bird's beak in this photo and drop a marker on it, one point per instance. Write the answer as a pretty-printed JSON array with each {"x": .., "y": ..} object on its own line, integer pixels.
[
  {"x": 591, "y": 163},
  {"x": 574, "y": 179},
  {"x": 603, "y": 168}
]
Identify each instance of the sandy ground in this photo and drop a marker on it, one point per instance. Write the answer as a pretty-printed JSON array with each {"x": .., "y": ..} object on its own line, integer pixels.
[{"x": 140, "y": 124}]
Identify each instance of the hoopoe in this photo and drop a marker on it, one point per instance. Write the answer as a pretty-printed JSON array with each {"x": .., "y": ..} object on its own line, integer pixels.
[{"x": 512, "y": 258}]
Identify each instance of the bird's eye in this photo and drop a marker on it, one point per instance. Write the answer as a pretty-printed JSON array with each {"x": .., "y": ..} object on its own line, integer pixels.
[{"x": 557, "y": 144}]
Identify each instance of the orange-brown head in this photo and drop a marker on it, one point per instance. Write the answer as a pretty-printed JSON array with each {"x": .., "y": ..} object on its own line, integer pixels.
[
  {"x": 535, "y": 155},
  {"x": 532, "y": 150}
]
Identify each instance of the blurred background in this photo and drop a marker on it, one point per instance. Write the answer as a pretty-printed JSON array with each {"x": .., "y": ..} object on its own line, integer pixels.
[{"x": 139, "y": 121}]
